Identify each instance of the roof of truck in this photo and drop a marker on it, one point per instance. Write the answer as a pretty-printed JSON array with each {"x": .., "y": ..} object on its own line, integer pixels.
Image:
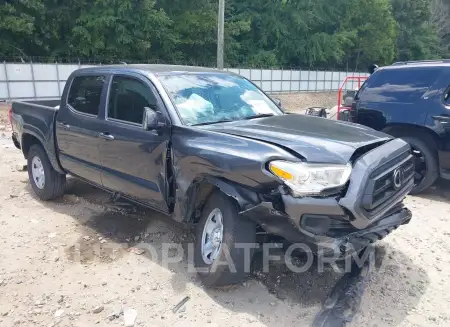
[
  {"x": 156, "y": 69},
  {"x": 445, "y": 63}
]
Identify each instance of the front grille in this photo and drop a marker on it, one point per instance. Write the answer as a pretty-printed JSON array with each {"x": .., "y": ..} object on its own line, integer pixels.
[
  {"x": 372, "y": 192},
  {"x": 388, "y": 180}
]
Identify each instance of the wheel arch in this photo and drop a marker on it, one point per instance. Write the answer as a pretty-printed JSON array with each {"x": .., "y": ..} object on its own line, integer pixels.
[
  {"x": 202, "y": 188},
  {"x": 398, "y": 130},
  {"x": 29, "y": 139}
]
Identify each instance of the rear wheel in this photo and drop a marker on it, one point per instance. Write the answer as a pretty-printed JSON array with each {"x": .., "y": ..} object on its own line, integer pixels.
[
  {"x": 46, "y": 182},
  {"x": 221, "y": 240}
]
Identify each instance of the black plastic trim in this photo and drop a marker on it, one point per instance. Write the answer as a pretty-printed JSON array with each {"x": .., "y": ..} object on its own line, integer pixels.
[{"x": 362, "y": 170}]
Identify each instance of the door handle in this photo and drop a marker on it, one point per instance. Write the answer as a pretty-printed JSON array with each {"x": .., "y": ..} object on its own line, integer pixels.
[
  {"x": 64, "y": 125},
  {"x": 106, "y": 136}
]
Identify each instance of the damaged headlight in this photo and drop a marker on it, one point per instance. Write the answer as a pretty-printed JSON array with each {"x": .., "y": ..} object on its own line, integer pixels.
[{"x": 310, "y": 178}]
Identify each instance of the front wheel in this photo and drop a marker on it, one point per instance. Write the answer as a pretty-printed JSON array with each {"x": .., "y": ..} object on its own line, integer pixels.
[
  {"x": 224, "y": 243},
  {"x": 46, "y": 182},
  {"x": 425, "y": 162}
]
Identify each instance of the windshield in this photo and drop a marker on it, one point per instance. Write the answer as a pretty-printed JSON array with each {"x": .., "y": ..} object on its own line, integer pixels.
[{"x": 208, "y": 98}]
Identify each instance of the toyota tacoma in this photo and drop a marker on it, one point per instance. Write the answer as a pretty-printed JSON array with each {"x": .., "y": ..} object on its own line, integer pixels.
[{"x": 209, "y": 148}]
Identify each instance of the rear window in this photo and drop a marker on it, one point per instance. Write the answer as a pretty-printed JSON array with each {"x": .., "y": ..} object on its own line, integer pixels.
[
  {"x": 399, "y": 85},
  {"x": 85, "y": 94}
]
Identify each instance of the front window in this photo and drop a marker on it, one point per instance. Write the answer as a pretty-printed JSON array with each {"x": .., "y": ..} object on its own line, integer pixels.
[
  {"x": 208, "y": 98},
  {"x": 128, "y": 98}
]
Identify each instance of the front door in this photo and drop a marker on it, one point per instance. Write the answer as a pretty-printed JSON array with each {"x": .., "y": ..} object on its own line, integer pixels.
[
  {"x": 78, "y": 126},
  {"x": 133, "y": 159}
]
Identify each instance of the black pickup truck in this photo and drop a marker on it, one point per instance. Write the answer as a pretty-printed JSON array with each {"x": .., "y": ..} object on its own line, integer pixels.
[{"x": 209, "y": 148}]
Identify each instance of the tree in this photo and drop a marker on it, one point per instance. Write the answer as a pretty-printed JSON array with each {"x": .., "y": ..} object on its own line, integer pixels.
[
  {"x": 307, "y": 33},
  {"x": 258, "y": 33},
  {"x": 120, "y": 30},
  {"x": 18, "y": 28},
  {"x": 194, "y": 31},
  {"x": 371, "y": 30},
  {"x": 440, "y": 20},
  {"x": 417, "y": 38}
]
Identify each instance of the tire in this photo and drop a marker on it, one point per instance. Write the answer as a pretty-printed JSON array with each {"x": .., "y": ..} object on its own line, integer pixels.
[
  {"x": 425, "y": 145},
  {"x": 54, "y": 182},
  {"x": 236, "y": 230}
]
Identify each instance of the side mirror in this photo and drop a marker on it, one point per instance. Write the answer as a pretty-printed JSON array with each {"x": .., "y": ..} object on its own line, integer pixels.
[
  {"x": 277, "y": 102},
  {"x": 151, "y": 119}
]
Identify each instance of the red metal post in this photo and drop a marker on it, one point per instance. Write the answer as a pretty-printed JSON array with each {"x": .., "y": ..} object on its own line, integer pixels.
[{"x": 348, "y": 78}]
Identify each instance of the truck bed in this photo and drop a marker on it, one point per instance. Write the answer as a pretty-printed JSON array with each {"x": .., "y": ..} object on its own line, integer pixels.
[
  {"x": 43, "y": 103},
  {"x": 35, "y": 119},
  {"x": 35, "y": 115}
]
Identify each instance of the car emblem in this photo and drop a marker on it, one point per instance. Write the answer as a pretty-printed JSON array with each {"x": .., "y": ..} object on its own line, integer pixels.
[{"x": 397, "y": 178}]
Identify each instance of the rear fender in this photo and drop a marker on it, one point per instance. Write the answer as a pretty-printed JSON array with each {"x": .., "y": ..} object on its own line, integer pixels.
[{"x": 29, "y": 138}]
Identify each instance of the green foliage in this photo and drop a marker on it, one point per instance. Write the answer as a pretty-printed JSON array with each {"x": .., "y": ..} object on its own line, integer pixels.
[
  {"x": 417, "y": 38},
  {"x": 18, "y": 22},
  {"x": 371, "y": 37},
  {"x": 258, "y": 33},
  {"x": 316, "y": 33},
  {"x": 119, "y": 29}
]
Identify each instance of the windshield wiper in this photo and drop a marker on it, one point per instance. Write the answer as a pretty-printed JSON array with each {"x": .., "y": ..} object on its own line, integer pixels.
[
  {"x": 214, "y": 122},
  {"x": 258, "y": 116}
]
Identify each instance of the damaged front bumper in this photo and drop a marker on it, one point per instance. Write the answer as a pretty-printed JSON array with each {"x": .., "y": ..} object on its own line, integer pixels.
[
  {"x": 369, "y": 210},
  {"x": 323, "y": 222}
]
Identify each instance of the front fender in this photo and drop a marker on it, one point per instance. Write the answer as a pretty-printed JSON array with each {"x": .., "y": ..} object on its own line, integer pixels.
[
  {"x": 207, "y": 160},
  {"x": 190, "y": 199},
  {"x": 245, "y": 197}
]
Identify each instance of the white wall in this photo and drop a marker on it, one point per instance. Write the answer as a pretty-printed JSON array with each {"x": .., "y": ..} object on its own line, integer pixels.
[{"x": 44, "y": 81}]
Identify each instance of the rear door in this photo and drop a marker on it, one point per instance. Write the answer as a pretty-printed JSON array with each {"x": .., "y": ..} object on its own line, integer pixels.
[
  {"x": 78, "y": 127},
  {"x": 134, "y": 159}
]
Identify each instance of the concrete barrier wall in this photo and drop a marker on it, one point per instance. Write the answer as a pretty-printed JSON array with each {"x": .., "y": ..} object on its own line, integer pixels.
[{"x": 46, "y": 81}]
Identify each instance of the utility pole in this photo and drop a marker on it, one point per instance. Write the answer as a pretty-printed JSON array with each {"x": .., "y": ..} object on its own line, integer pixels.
[{"x": 220, "y": 34}]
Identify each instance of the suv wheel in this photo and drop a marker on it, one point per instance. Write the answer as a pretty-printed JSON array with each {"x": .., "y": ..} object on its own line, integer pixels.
[
  {"x": 425, "y": 161},
  {"x": 46, "y": 182},
  {"x": 218, "y": 255}
]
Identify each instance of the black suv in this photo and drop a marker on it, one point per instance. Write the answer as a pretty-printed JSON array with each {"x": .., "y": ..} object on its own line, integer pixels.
[{"x": 411, "y": 100}]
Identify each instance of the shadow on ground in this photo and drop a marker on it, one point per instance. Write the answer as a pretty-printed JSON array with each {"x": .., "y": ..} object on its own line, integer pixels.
[
  {"x": 440, "y": 191},
  {"x": 103, "y": 224}
]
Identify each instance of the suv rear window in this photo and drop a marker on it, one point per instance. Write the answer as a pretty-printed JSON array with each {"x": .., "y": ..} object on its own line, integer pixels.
[
  {"x": 400, "y": 85},
  {"x": 85, "y": 94}
]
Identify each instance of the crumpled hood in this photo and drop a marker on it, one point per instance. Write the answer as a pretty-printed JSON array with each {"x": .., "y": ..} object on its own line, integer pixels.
[{"x": 315, "y": 139}]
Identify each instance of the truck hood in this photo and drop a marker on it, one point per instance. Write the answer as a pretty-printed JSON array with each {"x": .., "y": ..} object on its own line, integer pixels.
[{"x": 315, "y": 139}]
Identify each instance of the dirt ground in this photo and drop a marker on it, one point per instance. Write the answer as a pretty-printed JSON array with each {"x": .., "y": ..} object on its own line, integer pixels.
[
  {"x": 301, "y": 101},
  {"x": 68, "y": 263}
]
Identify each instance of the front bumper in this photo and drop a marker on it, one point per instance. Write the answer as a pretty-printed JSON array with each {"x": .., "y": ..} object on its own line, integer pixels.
[
  {"x": 361, "y": 216},
  {"x": 326, "y": 223}
]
